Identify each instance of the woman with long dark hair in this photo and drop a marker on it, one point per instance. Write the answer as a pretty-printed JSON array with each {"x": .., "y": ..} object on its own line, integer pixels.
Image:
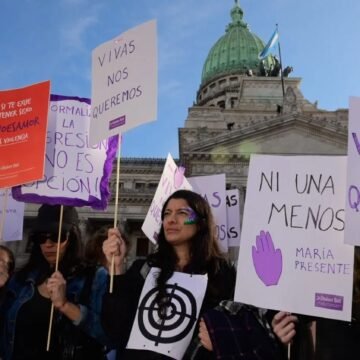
[
  {"x": 34, "y": 289},
  {"x": 186, "y": 244}
]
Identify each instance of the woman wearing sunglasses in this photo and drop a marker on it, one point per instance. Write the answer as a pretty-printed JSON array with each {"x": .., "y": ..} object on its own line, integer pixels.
[{"x": 76, "y": 331}]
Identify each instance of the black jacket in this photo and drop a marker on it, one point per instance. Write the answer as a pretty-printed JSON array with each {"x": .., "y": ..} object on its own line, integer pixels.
[{"x": 119, "y": 308}]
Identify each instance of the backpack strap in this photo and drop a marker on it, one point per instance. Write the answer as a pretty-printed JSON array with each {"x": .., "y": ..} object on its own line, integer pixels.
[{"x": 145, "y": 270}]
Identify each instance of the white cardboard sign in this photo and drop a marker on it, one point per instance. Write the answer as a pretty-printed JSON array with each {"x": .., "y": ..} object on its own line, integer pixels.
[
  {"x": 212, "y": 188},
  {"x": 124, "y": 82},
  {"x": 170, "y": 336},
  {"x": 292, "y": 256},
  {"x": 172, "y": 179},
  {"x": 76, "y": 173},
  {"x": 14, "y": 217},
  {"x": 233, "y": 217},
  {"x": 352, "y": 229}
]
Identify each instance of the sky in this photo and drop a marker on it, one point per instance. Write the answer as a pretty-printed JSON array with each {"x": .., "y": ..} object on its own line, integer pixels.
[{"x": 53, "y": 40}]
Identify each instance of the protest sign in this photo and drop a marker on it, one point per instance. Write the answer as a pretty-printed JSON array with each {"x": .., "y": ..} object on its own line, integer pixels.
[
  {"x": 23, "y": 121},
  {"x": 212, "y": 189},
  {"x": 124, "y": 82},
  {"x": 172, "y": 179},
  {"x": 352, "y": 218},
  {"x": 76, "y": 173},
  {"x": 172, "y": 334},
  {"x": 233, "y": 217},
  {"x": 14, "y": 217},
  {"x": 292, "y": 256}
]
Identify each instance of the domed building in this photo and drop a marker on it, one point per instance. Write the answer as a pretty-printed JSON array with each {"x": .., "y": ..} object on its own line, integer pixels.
[
  {"x": 242, "y": 107},
  {"x": 236, "y": 52}
]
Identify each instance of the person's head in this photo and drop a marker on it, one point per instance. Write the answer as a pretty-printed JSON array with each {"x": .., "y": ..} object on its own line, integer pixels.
[
  {"x": 44, "y": 237},
  {"x": 7, "y": 264},
  {"x": 93, "y": 248},
  {"x": 187, "y": 219}
]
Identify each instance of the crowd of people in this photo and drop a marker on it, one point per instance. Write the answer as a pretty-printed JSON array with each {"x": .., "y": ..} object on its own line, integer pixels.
[{"x": 91, "y": 322}]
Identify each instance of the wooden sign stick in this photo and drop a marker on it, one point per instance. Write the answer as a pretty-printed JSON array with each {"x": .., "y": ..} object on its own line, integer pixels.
[
  {"x": 115, "y": 217},
  {"x": 56, "y": 269}
]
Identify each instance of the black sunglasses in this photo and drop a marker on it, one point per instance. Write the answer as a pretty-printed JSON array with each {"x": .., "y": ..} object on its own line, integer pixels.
[{"x": 41, "y": 237}]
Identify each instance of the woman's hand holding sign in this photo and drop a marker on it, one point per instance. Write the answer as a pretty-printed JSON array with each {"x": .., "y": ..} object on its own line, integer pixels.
[
  {"x": 115, "y": 246},
  {"x": 283, "y": 325}
]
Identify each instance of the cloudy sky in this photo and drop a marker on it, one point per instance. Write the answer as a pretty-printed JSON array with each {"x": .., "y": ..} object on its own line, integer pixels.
[{"x": 53, "y": 39}]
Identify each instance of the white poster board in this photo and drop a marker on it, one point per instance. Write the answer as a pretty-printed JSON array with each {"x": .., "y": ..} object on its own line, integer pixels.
[
  {"x": 76, "y": 173},
  {"x": 292, "y": 256},
  {"x": 172, "y": 179},
  {"x": 14, "y": 217},
  {"x": 352, "y": 229},
  {"x": 233, "y": 217},
  {"x": 170, "y": 336},
  {"x": 212, "y": 188},
  {"x": 124, "y": 82}
]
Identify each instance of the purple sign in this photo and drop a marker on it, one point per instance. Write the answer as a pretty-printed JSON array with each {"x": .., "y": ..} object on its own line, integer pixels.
[
  {"x": 76, "y": 173},
  {"x": 117, "y": 122},
  {"x": 328, "y": 301}
]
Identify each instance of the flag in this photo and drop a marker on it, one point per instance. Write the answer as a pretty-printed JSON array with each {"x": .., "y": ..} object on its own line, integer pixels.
[{"x": 268, "y": 47}]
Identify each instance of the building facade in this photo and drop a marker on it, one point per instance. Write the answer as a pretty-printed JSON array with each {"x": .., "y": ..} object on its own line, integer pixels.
[{"x": 243, "y": 106}]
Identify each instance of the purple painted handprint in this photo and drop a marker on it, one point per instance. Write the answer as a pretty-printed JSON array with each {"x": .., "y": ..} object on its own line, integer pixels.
[{"x": 267, "y": 261}]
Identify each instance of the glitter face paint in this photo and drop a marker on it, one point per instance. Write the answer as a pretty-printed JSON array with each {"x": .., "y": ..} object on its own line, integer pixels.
[{"x": 193, "y": 218}]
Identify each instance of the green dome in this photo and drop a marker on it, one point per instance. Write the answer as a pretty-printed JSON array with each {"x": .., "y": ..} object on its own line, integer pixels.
[{"x": 235, "y": 52}]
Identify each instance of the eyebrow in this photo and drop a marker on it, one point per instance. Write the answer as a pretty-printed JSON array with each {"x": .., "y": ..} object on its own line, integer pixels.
[{"x": 180, "y": 209}]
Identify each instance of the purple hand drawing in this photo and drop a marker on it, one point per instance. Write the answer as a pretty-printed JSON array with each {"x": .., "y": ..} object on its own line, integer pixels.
[
  {"x": 179, "y": 177},
  {"x": 267, "y": 261}
]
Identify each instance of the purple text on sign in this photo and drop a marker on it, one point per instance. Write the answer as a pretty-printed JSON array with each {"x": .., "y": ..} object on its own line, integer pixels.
[
  {"x": 328, "y": 301},
  {"x": 117, "y": 122}
]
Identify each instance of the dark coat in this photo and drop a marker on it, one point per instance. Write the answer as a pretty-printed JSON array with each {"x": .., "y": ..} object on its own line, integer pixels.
[{"x": 119, "y": 308}]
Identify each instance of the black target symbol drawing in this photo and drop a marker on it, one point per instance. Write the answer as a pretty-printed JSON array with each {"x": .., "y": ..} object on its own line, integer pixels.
[{"x": 173, "y": 326}]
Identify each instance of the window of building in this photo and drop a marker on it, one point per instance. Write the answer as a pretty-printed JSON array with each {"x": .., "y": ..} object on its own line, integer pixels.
[
  {"x": 221, "y": 104},
  {"x": 232, "y": 102},
  {"x": 139, "y": 186}
]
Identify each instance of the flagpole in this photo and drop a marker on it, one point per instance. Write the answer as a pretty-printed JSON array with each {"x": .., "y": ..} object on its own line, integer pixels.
[{"x": 281, "y": 68}]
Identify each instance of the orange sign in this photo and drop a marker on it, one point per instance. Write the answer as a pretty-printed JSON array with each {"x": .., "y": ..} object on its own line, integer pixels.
[{"x": 23, "y": 124}]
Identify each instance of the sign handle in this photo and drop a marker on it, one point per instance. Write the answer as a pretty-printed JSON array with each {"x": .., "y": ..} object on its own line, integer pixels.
[
  {"x": 112, "y": 269},
  {"x": 56, "y": 269}
]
